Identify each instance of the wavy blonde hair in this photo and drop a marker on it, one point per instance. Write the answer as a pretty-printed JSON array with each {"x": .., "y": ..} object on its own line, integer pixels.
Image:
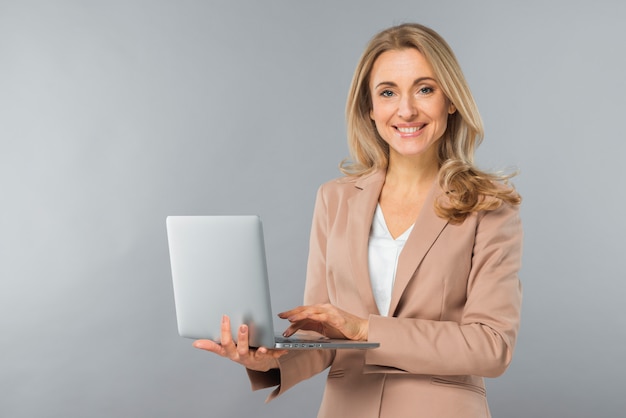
[{"x": 468, "y": 189}]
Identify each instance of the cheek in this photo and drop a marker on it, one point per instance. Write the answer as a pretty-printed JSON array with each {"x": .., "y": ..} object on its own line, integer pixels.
[
  {"x": 378, "y": 121},
  {"x": 439, "y": 113},
  {"x": 378, "y": 113},
  {"x": 374, "y": 116}
]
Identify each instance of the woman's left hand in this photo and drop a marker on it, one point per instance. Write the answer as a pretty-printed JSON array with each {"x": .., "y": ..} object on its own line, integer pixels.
[{"x": 328, "y": 320}]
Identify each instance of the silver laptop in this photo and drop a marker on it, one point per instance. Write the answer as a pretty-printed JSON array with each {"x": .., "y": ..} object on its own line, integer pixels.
[{"x": 219, "y": 268}]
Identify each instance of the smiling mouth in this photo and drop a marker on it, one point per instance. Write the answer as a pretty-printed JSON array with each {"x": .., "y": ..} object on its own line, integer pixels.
[{"x": 409, "y": 129}]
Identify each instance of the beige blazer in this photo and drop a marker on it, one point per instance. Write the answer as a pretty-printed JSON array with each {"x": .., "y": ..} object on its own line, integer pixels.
[{"x": 454, "y": 314}]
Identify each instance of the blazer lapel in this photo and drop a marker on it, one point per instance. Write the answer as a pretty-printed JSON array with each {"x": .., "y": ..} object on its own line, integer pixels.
[
  {"x": 427, "y": 229},
  {"x": 361, "y": 208}
]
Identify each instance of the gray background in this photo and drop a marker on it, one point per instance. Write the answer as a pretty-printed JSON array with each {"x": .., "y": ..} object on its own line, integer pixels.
[{"x": 114, "y": 114}]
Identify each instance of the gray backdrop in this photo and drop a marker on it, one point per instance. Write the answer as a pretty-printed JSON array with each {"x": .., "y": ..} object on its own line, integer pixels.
[{"x": 114, "y": 114}]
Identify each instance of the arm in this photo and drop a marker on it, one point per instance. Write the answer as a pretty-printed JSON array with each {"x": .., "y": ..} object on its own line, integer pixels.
[{"x": 482, "y": 342}]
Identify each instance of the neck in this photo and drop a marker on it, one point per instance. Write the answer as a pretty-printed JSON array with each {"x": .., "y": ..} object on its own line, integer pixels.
[{"x": 409, "y": 173}]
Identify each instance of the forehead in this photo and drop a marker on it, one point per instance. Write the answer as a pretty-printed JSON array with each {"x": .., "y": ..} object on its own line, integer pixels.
[{"x": 403, "y": 63}]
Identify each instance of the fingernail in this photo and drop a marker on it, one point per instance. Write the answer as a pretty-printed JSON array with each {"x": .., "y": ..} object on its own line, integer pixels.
[{"x": 243, "y": 329}]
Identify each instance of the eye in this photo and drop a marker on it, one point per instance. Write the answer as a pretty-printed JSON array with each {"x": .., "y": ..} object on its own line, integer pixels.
[
  {"x": 426, "y": 90},
  {"x": 386, "y": 93}
]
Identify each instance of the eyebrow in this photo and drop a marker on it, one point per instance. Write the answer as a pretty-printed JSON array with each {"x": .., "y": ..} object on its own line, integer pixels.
[{"x": 392, "y": 84}]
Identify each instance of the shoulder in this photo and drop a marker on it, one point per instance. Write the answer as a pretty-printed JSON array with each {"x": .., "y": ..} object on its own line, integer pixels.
[
  {"x": 503, "y": 199},
  {"x": 333, "y": 192},
  {"x": 503, "y": 220},
  {"x": 347, "y": 186},
  {"x": 339, "y": 185}
]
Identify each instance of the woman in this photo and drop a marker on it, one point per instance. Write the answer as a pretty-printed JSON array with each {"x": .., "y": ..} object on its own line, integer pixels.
[{"x": 414, "y": 248}]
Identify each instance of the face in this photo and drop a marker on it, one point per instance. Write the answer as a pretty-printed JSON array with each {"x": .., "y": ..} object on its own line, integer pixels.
[{"x": 408, "y": 106}]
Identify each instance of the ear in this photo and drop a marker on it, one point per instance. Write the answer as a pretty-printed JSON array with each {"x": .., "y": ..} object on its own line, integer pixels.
[
  {"x": 371, "y": 114},
  {"x": 451, "y": 109}
]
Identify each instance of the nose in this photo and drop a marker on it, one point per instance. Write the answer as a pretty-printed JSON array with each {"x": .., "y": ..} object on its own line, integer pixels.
[{"x": 407, "y": 107}]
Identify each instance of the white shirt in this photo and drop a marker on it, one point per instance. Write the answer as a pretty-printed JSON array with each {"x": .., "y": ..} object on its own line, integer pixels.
[{"x": 383, "y": 254}]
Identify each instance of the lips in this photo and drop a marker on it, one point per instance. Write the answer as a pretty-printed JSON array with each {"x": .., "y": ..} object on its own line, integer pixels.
[{"x": 409, "y": 129}]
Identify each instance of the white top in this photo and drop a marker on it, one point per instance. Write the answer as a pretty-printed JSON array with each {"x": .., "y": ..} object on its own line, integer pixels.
[{"x": 383, "y": 253}]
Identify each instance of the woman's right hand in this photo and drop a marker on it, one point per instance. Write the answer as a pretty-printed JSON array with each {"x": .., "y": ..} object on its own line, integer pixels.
[{"x": 260, "y": 359}]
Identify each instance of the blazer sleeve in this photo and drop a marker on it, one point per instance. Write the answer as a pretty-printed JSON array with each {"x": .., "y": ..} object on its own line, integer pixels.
[
  {"x": 482, "y": 342},
  {"x": 297, "y": 365}
]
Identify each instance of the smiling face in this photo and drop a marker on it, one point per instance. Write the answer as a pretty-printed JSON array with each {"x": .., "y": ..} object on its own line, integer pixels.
[{"x": 409, "y": 107}]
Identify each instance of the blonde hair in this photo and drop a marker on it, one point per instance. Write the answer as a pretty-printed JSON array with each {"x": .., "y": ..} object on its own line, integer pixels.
[{"x": 467, "y": 188}]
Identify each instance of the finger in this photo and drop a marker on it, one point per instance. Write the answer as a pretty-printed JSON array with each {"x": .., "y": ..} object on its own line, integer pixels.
[
  {"x": 209, "y": 345},
  {"x": 294, "y": 311},
  {"x": 278, "y": 353},
  {"x": 302, "y": 310},
  {"x": 242, "y": 341},
  {"x": 225, "y": 329},
  {"x": 227, "y": 339},
  {"x": 264, "y": 352},
  {"x": 304, "y": 325},
  {"x": 312, "y": 314},
  {"x": 275, "y": 354}
]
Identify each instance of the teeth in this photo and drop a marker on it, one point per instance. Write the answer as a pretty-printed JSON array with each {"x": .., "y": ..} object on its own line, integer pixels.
[{"x": 409, "y": 130}]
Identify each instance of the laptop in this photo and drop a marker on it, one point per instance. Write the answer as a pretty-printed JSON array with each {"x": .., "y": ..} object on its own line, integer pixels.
[{"x": 219, "y": 268}]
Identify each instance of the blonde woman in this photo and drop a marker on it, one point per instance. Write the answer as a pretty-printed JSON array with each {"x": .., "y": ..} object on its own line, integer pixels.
[{"x": 414, "y": 248}]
